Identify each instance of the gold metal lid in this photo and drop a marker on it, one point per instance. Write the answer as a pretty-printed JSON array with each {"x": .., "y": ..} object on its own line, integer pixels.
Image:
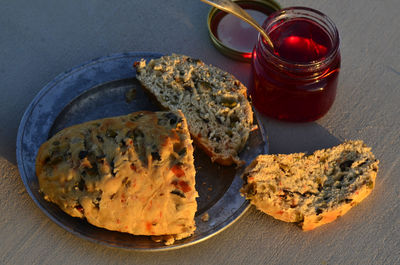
[{"x": 234, "y": 37}]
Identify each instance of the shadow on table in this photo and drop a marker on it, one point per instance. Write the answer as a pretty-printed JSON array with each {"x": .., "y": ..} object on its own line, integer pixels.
[{"x": 286, "y": 137}]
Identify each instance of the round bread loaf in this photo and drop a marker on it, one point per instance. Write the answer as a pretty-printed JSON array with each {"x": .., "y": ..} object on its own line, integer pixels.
[
  {"x": 312, "y": 190},
  {"x": 132, "y": 173}
]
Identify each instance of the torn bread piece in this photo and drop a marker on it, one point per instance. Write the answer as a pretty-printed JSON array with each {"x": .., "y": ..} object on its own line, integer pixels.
[
  {"x": 132, "y": 173},
  {"x": 214, "y": 102},
  {"x": 312, "y": 190}
]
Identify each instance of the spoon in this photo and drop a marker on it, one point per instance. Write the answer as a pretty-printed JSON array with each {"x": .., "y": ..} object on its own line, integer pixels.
[{"x": 233, "y": 8}]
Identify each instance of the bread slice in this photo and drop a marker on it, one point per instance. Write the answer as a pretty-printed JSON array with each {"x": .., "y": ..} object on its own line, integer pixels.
[
  {"x": 132, "y": 173},
  {"x": 315, "y": 189},
  {"x": 214, "y": 102}
]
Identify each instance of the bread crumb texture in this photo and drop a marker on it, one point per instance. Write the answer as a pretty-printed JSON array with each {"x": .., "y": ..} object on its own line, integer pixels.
[
  {"x": 311, "y": 189},
  {"x": 132, "y": 173},
  {"x": 213, "y": 101}
]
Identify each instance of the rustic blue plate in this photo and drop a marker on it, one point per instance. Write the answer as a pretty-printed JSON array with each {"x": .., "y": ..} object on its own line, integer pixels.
[{"x": 107, "y": 87}]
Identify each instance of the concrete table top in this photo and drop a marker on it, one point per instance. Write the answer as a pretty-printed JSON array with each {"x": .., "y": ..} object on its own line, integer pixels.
[{"x": 40, "y": 39}]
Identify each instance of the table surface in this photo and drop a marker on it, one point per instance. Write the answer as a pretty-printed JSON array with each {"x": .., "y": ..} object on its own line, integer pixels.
[{"x": 40, "y": 39}]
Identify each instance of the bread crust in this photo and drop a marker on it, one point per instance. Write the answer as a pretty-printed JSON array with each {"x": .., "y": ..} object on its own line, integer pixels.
[
  {"x": 132, "y": 173},
  {"x": 217, "y": 158},
  {"x": 214, "y": 102},
  {"x": 311, "y": 190}
]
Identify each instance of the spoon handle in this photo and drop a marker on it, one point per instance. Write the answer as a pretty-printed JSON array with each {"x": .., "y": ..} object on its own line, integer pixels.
[{"x": 233, "y": 8}]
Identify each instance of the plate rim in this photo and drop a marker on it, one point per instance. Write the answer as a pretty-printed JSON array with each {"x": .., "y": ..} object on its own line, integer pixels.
[{"x": 21, "y": 165}]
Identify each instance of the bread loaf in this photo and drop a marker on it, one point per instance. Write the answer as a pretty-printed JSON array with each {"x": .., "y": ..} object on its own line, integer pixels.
[
  {"x": 214, "y": 102},
  {"x": 312, "y": 190},
  {"x": 132, "y": 173}
]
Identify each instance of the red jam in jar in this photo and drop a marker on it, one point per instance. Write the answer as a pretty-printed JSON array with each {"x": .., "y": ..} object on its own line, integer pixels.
[{"x": 297, "y": 80}]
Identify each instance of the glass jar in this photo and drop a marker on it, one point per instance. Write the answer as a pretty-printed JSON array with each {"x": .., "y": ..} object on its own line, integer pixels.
[{"x": 297, "y": 80}]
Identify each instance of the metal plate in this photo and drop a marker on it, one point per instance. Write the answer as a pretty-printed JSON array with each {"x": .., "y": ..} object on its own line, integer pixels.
[{"x": 99, "y": 89}]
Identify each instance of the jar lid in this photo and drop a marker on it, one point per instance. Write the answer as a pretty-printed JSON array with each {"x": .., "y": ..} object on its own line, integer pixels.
[{"x": 232, "y": 36}]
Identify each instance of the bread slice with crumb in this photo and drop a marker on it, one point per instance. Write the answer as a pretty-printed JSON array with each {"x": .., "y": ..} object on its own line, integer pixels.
[
  {"x": 214, "y": 102},
  {"x": 312, "y": 190}
]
